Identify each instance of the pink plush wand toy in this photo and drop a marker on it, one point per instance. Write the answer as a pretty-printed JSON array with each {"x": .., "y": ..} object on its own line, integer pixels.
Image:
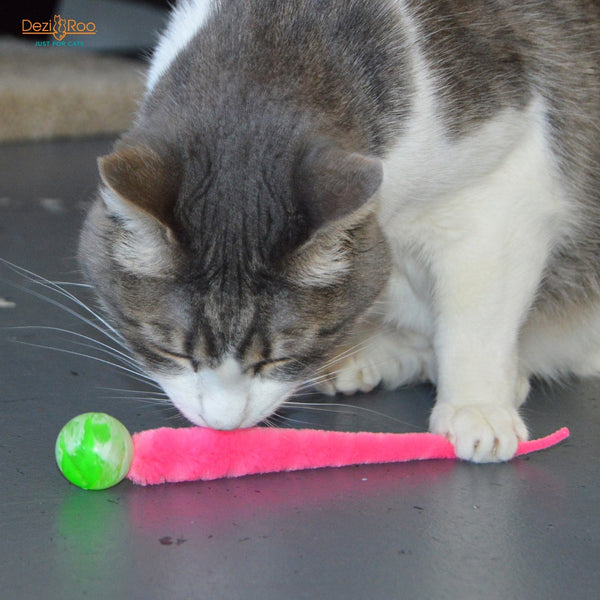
[{"x": 190, "y": 454}]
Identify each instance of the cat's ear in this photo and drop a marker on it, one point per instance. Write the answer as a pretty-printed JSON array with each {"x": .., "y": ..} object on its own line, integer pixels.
[
  {"x": 332, "y": 183},
  {"x": 142, "y": 182}
]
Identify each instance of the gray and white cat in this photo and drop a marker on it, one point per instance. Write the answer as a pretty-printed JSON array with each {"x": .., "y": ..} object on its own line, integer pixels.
[{"x": 385, "y": 191}]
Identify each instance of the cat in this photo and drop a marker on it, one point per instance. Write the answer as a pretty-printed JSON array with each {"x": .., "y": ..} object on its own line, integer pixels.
[{"x": 357, "y": 193}]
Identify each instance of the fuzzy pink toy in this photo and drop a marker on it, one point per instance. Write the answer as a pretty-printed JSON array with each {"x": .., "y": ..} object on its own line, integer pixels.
[{"x": 195, "y": 453}]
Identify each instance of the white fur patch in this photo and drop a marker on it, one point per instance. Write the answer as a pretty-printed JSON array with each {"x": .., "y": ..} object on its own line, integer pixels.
[
  {"x": 225, "y": 398},
  {"x": 185, "y": 21}
]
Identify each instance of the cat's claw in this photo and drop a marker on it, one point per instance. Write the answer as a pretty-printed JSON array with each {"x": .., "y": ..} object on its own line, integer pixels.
[{"x": 480, "y": 433}]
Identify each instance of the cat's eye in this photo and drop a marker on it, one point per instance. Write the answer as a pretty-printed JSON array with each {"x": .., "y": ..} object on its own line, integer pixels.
[
  {"x": 176, "y": 356},
  {"x": 264, "y": 365}
]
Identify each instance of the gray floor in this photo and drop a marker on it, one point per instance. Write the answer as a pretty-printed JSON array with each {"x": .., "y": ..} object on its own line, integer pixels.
[{"x": 438, "y": 529}]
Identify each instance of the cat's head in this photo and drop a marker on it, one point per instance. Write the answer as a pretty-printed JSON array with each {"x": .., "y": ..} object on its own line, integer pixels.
[{"x": 232, "y": 283}]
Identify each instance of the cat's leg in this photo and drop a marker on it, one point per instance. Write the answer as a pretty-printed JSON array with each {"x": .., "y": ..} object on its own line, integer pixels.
[
  {"x": 479, "y": 385},
  {"x": 486, "y": 270},
  {"x": 377, "y": 355},
  {"x": 482, "y": 302}
]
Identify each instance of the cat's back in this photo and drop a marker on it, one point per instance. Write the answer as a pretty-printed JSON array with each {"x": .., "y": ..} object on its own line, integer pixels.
[
  {"x": 483, "y": 56},
  {"x": 343, "y": 62}
]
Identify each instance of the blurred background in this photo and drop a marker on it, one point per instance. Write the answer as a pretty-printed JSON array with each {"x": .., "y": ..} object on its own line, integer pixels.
[
  {"x": 85, "y": 84},
  {"x": 125, "y": 26}
]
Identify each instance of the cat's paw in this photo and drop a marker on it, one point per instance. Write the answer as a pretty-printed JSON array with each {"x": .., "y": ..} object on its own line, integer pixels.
[
  {"x": 387, "y": 360},
  {"x": 480, "y": 433}
]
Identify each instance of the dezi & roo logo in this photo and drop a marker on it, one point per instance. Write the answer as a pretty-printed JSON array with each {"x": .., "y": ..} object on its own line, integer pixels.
[{"x": 58, "y": 27}]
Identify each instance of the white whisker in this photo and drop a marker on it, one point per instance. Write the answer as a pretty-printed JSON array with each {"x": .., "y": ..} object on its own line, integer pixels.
[
  {"x": 284, "y": 419},
  {"x": 72, "y": 284},
  {"x": 364, "y": 344},
  {"x": 333, "y": 407},
  {"x": 143, "y": 400},
  {"x": 101, "y": 346},
  {"x": 96, "y": 326},
  {"x": 158, "y": 394},
  {"x": 135, "y": 374},
  {"x": 345, "y": 354},
  {"x": 49, "y": 285}
]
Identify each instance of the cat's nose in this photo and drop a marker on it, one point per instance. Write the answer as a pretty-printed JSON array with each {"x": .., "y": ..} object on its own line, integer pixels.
[
  {"x": 223, "y": 422},
  {"x": 224, "y": 407}
]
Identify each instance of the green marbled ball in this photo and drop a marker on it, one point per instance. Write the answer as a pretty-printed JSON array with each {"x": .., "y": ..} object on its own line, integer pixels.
[{"x": 94, "y": 451}]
